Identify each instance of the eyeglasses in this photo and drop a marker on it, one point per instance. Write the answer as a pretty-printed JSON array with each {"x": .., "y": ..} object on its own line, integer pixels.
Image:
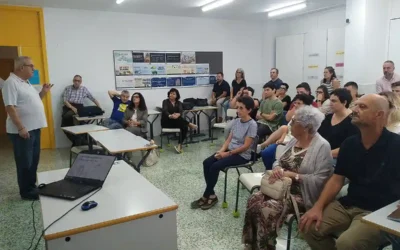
[
  {"x": 319, "y": 92},
  {"x": 136, "y": 96},
  {"x": 29, "y": 65},
  {"x": 283, "y": 88}
]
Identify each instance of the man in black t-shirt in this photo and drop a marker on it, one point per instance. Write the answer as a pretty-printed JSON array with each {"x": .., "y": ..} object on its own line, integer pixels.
[
  {"x": 274, "y": 74},
  {"x": 370, "y": 160},
  {"x": 220, "y": 92}
]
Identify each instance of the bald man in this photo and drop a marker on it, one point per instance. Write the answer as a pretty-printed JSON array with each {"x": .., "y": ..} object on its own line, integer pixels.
[{"x": 370, "y": 161}]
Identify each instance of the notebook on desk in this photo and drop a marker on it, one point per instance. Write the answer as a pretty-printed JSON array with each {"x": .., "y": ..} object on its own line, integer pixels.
[
  {"x": 87, "y": 173},
  {"x": 395, "y": 216}
]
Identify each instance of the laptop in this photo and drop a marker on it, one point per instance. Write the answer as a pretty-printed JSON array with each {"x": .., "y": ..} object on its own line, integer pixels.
[
  {"x": 88, "y": 173},
  {"x": 89, "y": 111}
]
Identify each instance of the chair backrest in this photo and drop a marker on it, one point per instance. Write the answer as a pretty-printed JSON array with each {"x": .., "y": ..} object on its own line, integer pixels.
[
  {"x": 254, "y": 150},
  {"x": 231, "y": 113}
]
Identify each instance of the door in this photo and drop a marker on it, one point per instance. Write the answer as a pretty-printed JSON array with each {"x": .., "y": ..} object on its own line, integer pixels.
[{"x": 6, "y": 66}]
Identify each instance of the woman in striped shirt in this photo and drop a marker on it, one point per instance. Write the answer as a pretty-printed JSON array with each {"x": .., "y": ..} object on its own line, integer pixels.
[{"x": 330, "y": 80}]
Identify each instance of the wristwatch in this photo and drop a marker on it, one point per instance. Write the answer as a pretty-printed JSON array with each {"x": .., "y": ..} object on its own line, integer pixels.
[{"x": 297, "y": 177}]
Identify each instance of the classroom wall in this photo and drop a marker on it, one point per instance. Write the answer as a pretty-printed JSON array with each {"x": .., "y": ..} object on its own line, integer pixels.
[{"x": 81, "y": 42}]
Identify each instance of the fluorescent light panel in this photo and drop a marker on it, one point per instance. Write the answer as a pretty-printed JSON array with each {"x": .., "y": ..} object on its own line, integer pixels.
[
  {"x": 287, "y": 10},
  {"x": 215, "y": 4},
  {"x": 284, "y": 5},
  {"x": 204, "y": 2},
  {"x": 120, "y": 1}
]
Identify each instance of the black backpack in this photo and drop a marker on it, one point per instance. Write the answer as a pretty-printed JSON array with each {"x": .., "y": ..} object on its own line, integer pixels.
[{"x": 188, "y": 103}]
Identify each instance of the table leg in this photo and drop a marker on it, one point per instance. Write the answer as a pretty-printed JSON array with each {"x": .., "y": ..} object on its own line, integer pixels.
[
  {"x": 209, "y": 118},
  {"x": 191, "y": 141},
  {"x": 90, "y": 143},
  {"x": 152, "y": 127},
  {"x": 136, "y": 167}
]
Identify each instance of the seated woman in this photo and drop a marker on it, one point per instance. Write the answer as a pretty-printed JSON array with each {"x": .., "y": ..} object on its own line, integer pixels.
[
  {"x": 307, "y": 161},
  {"x": 235, "y": 151},
  {"x": 323, "y": 102},
  {"x": 135, "y": 116},
  {"x": 171, "y": 117},
  {"x": 337, "y": 127},
  {"x": 393, "y": 123},
  {"x": 282, "y": 135}
]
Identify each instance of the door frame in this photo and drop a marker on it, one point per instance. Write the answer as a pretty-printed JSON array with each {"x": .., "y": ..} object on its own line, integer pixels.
[{"x": 47, "y": 101}]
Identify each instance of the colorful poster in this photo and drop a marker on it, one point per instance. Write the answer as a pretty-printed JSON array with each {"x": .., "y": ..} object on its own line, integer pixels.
[
  {"x": 138, "y": 57},
  {"x": 203, "y": 68},
  {"x": 173, "y": 57},
  {"x": 157, "y": 57},
  {"x": 147, "y": 57},
  {"x": 140, "y": 82},
  {"x": 188, "y": 69},
  {"x": 188, "y": 81},
  {"x": 188, "y": 57},
  {"x": 125, "y": 81},
  {"x": 173, "y": 69},
  {"x": 203, "y": 80},
  {"x": 142, "y": 69},
  {"x": 174, "y": 81},
  {"x": 158, "y": 82},
  {"x": 213, "y": 79},
  {"x": 123, "y": 63},
  {"x": 158, "y": 69}
]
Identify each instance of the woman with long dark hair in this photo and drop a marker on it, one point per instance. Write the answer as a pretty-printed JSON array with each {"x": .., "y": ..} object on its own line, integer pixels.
[
  {"x": 330, "y": 80},
  {"x": 323, "y": 102},
  {"x": 171, "y": 117},
  {"x": 135, "y": 116}
]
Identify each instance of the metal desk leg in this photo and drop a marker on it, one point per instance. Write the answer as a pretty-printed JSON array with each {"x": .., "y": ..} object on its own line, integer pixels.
[
  {"x": 209, "y": 118},
  {"x": 90, "y": 143},
  {"x": 152, "y": 127},
  {"x": 136, "y": 167}
]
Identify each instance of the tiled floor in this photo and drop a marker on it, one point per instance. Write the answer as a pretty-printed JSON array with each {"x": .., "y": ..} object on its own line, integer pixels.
[{"x": 179, "y": 176}]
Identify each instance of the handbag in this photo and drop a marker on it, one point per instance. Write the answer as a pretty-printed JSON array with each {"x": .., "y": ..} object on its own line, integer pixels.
[
  {"x": 280, "y": 191},
  {"x": 153, "y": 156},
  {"x": 201, "y": 102}
]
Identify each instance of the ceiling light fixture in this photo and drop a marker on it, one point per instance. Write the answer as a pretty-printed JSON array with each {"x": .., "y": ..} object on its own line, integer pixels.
[
  {"x": 215, "y": 4},
  {"x": 120, "y": 1},
  {"x": 284, "y": 5},
  {"x": 204, "y": 2},
  {"x": 287, "y": 10}
]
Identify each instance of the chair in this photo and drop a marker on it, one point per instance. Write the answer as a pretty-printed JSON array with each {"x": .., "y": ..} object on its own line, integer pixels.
[
  {"x": 167, "y": 131},
  {"x": 231, "y": 113},
  {"x": 248, "y": 166},
  {"x": 252, "y": 181},
  {"x": 78, "y": 149}
]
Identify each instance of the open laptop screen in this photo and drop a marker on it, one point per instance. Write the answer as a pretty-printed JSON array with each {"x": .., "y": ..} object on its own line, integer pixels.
[{"x": 91, "y": 167}]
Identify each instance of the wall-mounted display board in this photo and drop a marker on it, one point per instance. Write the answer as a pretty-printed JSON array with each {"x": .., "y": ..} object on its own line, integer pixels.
[{"x": 161, "y": 69}]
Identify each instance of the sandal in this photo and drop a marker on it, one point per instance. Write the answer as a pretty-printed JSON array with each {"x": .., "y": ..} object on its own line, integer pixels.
[
  {"x": 178, "y": 150},
  {"x": 210, "y": 203},
  {"x": 198, "y": 203}
]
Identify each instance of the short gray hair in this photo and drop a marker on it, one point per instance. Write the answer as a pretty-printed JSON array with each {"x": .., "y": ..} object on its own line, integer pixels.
[
  {"x": 125, "y": 92},
  {"x": 20, "y": 61},
  {"x": 309, "y": 117}
]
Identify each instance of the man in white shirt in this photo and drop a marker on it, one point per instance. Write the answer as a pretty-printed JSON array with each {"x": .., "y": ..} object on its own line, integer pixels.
[
  {"x": 389, "y": 76},
  {"x": 25, "y": 118}
]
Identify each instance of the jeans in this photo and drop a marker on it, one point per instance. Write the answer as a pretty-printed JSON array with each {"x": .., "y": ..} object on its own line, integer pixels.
[
  {"x": 268, "y": 156},
  {"x": 212, "y": 166},
  {"x": 26, "y": 154},
  {"x": 225, "y": 106},
  {"x": 112, "y": 124},
  {"x": 394, "y": 240}
]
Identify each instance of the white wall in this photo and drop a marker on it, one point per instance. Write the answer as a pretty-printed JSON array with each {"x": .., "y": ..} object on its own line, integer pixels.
[{"x": 81, "y": 42}]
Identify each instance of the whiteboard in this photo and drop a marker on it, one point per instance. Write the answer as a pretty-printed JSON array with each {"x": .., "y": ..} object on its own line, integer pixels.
[
  {"x": 394, "y": 41},
  {"x": 335, "y": 51},
  {"x": 314, "y": 57},
  {"x": 289, "y": 60}
]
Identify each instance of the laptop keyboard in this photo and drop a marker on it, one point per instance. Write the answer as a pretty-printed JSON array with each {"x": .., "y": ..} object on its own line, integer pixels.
[{"x": 70, "y": 190}]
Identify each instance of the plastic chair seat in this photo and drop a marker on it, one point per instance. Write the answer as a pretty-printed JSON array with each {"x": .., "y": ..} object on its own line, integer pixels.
[{"x": 170, "y": 130}]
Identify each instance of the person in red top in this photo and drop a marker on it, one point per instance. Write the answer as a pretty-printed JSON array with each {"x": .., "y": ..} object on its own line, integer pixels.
[{"x": 302, "y": 88}]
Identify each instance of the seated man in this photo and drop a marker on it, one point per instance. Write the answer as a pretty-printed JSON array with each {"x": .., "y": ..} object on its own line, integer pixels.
[
  {"x": 121, "y": 101},
  {"x": 370, "y": 161},
  {"x": 270, "y": 113},
  {"x": 281, "y": 93},
  {"x": 353, "y": 88},
  {"x": 220, "y": 91},
  {"x": 302, "y": 88},
  {"x": 73, "y": 96},
  {"x": 396, "y": 88}
]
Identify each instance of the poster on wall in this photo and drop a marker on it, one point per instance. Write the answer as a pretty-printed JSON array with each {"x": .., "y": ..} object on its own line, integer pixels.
[
  {"x": 203, "y": 68},
  {"x": 203, "y": 80},
  {"x": 188, "y": 69},
  {"x": 173, "y": 57},
  {"x": 142, "y": 69},
  {"x": 142, "y": 82},
  {"x": 138, "y": 57},
  {"x": 174, "y": 81},
  {"x": 213, "y": 79},
  {"x": 157, "y": 57},
  {"x": 188, "y": 81},
  {"x": 123, "y": 63},
  {"x": 125, "y": 81},
  {"x": 173, "y": 69},
  {"x": 158, "y": 69},
  {"x": 158, "y": 82},
  {"x": 188, "y": 57}
]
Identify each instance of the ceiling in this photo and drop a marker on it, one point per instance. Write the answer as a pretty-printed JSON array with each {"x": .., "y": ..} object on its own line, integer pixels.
[{"x": 239, "y": 9}]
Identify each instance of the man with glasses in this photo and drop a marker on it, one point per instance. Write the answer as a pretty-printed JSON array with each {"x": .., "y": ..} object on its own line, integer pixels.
[
  {"x": 74, "y": 95},
  {"x": 121, "y": 101},
  {"x": 25, "y": 119},
  {"x": 281, "y": 94}
]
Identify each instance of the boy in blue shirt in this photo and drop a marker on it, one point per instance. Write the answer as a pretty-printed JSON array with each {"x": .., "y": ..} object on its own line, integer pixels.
[{"x": 121, "y": 102}]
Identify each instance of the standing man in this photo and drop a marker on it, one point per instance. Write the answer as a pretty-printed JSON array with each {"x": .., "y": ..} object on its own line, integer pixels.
[
  {"x": 25, "y": 119},
  {"x": 274, "y": 74},
  {"x": 220, "y": 91},
  {"x": 121, "y": 101},
  {"x": 370, "y": 161},
  {"x": 269, "y": 114},
  {"x": 385, "y": 82},
  {"x": 74, "y": 95}
]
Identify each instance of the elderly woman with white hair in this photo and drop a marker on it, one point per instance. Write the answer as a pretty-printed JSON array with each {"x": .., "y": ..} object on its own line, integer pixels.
[{"x": 307, "y": 160}]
